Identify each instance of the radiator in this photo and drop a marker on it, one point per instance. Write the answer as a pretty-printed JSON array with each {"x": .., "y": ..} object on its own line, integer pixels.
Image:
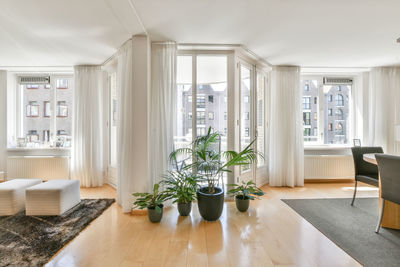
[
  {"x": 328, "y": 167},
  {"x": 43, "y": 167}
]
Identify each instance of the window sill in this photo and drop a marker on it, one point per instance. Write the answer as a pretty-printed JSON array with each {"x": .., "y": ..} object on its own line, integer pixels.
[
  {"x": 326, "y": 147},
  {"x": 13, "y": 149}
]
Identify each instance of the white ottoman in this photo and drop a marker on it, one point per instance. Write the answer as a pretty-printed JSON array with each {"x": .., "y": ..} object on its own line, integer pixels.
[
  {"x": 12, "y": 195},
  {"x": 52, "y": 198}
]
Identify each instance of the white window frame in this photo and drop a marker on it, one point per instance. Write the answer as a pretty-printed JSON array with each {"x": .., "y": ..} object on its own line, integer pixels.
[{"x": 321, "y": 123}]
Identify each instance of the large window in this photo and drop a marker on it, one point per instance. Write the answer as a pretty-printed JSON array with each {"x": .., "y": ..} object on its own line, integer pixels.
[
  {"x": 210, "y": 94},
  {"x": 330, "y": 109},
  {"x": 43, "y": 112}
]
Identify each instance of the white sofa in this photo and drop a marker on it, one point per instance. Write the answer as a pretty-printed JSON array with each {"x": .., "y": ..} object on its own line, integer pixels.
[
  {"x": 12, "y": 195},
  {"x": 52, "y": 198}
]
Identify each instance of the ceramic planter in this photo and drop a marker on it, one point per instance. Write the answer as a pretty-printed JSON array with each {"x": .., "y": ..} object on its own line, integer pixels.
[
  {"x": 184, "y": 208},
  {"x": 155, "y": 216},
  {"x": 242, "y": 203},
  {"x": 210, "y": 205}
]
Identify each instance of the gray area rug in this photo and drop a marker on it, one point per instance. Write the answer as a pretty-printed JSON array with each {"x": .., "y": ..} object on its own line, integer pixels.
[
  {"x": 352, "y": 228},
  {"x": 32, "y": 241}
]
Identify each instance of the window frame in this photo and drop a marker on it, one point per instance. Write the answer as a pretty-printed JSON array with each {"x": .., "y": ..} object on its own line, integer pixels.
[
  {"x": 20, "y": 108},
  {"x": 321, "y": 122}
]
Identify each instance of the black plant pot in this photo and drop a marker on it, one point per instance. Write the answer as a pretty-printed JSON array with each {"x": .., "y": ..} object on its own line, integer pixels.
[
  {"x": 242, "y": 203},
  {"x": 210, "y": 205},
  {"x": 184, "y": 208},
  {"x": 154, "y": 215}
]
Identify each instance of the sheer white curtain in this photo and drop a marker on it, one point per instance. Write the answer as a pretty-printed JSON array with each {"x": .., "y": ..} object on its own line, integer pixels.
[
  {"x": 162, "y": 108},
  {"x": 383, "y": 108},
  {"x": 87, "y": 126},
  {"x": 286, "y": 149},
  {"x": 3, "y": 121}
]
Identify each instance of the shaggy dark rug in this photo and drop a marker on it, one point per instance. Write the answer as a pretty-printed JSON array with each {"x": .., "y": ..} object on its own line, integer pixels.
[
  {"x": 352, "y": 228},
  {"x": 32, "y": 241}
]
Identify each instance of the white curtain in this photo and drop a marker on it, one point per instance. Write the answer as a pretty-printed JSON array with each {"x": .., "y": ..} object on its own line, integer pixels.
[
  {"x": 87, "y": 126},
  {"x": 162, "y": 108},
  {"x": 3, "y": 122},
  {"x": 286, "y": 149},
  {"x": 383, "y": 112}
]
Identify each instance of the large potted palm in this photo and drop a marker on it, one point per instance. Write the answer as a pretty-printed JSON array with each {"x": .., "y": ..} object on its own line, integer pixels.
[{"x": 210, "y": 163}]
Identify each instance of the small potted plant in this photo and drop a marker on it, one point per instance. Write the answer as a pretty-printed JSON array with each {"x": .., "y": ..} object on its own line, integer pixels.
[
  {"x": 152, "y": 201},
  {"x": 244, "y": 193},
  {"x": 181, "y": 186}
]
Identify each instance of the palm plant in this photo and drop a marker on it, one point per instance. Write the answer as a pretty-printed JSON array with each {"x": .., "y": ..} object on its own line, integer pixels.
[{"x": 210, "y": 163}]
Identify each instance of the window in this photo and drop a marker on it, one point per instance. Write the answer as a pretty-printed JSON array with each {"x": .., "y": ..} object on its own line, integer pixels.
[
  {"x": 201, "y": 102},
  {"x": 247, "y": 132},
  {"x": 225, "y": 115},
  {"x": 307, "y": 87},
  {"x": 306, "y": 118},
  {"x": 339, "y": 114},
  {"x": 211, "y": 115},
  {"x": 190, "y": 116},
  {"x": 43, "y": 113},
  {"x": 247, "y": 116},
  {"x": 306, "y": 102},
  {"x": 339, "y": 100},
  {"x": 189, "y": 98},
  {"x": 331, "y": 126},
  {"x": 47, "y": 109},
  {"x": 246, "y": 99},
  {"x": 211, "y": 98},
  {"x": 201, "y": 117}
]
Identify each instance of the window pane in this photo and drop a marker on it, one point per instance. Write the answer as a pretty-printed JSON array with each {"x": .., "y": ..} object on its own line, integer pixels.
[
  {"x": 63, "y": 112},
  {"x": 113, "y": 120},
  {"x": 211, "y": 95},
  {"x": 310, "y": 107},
  {"x": 261, "y": 83},
  {"x": 36, "y": 121},
  {"x": 245, "y": 106},
  {"x": 337, "y": 108},
  {"x": 183, "y": 131}
]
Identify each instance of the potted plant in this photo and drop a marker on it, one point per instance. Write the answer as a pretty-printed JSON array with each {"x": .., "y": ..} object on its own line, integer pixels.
[
  {"x": 244, "y": 193},
  {"x": 152, "y": 201},
  {"x": 209, "y": 163},
  {"x": 181, "y": 186}
]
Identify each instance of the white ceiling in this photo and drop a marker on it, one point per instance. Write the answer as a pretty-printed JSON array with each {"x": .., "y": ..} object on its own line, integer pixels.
[
  {"x": 341, "y": 33},
  {"x": 63, "y": 32}
]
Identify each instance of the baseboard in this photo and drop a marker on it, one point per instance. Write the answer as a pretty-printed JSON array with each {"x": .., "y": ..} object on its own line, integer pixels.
[{"x": 333, "y": 180}]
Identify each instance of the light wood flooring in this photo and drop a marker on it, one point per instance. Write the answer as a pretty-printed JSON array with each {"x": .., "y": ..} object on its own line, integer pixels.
[{"x": 269, "y": 234}]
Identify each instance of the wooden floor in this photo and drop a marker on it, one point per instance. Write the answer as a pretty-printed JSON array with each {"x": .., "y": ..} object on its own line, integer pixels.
[{"x": 269, "y": 234}]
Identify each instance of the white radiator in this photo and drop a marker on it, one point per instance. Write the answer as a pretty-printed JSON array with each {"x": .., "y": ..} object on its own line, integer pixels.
[
  {"x": 43, "y": 167},
  {"x": 328, "y": 167}
]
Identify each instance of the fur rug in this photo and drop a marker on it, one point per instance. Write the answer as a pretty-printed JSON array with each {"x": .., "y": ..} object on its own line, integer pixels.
[{"x": 32, "y": 240}]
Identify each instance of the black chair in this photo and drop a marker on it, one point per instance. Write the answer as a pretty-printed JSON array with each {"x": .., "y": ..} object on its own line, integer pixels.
[
  {"x": 365, "y": 172},
  {"x": 389, "y": 169}
]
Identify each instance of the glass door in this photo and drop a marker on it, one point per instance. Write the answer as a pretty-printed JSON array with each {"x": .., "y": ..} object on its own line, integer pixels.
[{"x": 247, "y": 116}]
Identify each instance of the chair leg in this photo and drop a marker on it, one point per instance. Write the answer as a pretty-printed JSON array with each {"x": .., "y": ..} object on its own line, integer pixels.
[
  {"x": 380, "y": 216},
  {"x": 355, "y": 191}
]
